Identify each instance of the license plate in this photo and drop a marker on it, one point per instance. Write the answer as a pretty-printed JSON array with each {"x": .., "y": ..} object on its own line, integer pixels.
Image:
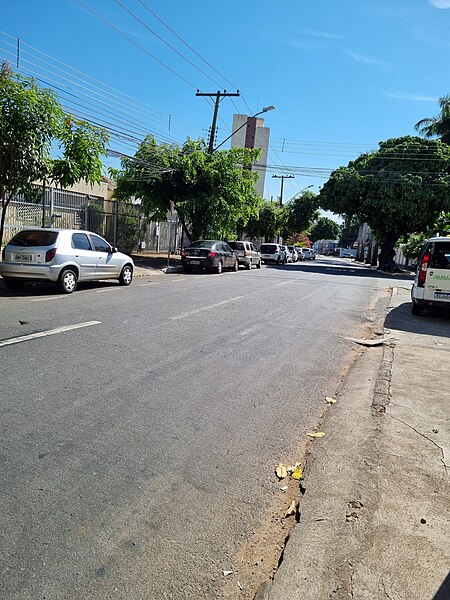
[
  {"x": 194, "y": 262},
  {"x": 23, "y": 257},
  {"x": 442, "y": 295}
]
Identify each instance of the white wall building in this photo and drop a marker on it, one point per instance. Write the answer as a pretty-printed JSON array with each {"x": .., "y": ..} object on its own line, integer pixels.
[{"x": 251, "y": 133}]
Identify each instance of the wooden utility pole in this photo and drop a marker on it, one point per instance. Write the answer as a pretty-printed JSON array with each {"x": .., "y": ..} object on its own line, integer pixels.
[
  {"x": 218, "y": 96},
  {"x": 282, "y": 177}
]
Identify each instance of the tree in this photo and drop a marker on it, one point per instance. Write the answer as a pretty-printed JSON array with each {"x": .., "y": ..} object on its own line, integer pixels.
[
  {"x": 402, "y": 187},
  {"x": 268, "y": 223},
  {"x": 299, "y": 239},
  {"x": 303, "y": 210},
  {"x": 324, "y": 229},
  {"x": 413, "y": 244},
  {"x": 438, "y": 126},
  {"x": 31, "y": 123},
  {"x": 210, "y": 192}
]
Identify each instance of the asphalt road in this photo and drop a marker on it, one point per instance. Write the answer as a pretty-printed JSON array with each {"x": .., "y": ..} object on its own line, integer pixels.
[{"x": 137, "y": 450}]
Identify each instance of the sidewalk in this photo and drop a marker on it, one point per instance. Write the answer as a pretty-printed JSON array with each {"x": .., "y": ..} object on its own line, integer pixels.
[
  {"x": 146, "y": 264},
  {"x": 375, "y": 517}
]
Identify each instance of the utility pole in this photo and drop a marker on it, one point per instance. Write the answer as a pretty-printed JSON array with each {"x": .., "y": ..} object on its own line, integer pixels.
[
  {"x": 282, "y": 177},
  {"x": 218, "y": 96}
]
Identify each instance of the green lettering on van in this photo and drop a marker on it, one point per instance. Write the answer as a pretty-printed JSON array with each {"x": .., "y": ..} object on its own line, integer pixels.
[{"x": 441, "y": 277}]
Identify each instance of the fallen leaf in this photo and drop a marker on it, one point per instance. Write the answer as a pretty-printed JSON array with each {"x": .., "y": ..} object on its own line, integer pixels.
[
  {"x": 292, "y": 468},
  {"x": 280, "y": 471},
  {"x": 226, "y": 573},
  {"x": 292, "y": 509},
  {"x": 330, "y": 400},
  {"x": 284, "y": 488},
  {"x": 297, "y": 474},
  {"x": 317, "y": 434},
  {"x": 240, "y": 586},
  {"x": 370, "y": 343}
]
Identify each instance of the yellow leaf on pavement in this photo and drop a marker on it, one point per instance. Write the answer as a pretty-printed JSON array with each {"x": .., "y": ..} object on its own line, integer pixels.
[
  {"x": 280, "y": 471},
  {"x": 330, "y": 400},
  {"x": 297, "y": 473},
  {"x": 317, "y": 434}
]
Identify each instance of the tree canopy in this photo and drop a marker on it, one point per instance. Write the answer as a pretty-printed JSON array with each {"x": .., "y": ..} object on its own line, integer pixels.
[
  {"x": 31, "y": 123},
  {"x": 438, "y": 126},
  {"x": 303, "y": 210},
  {"x": 268, "y": 222},
  {"x": 324, "y": 229},
  {"x": 402, "y": 187},
  {"x": 211, "y": 193}
]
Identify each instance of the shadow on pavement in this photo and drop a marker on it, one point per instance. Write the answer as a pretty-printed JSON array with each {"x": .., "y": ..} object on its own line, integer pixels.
[
  {"x": 443, "y": 592},
  {"x": 335, "y": 267},
  {"x": 47, "y": 289},
  {"x": 431, "y": 322}
]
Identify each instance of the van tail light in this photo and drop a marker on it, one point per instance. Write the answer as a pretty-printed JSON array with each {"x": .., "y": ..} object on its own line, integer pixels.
[
  {"x": 423, "y": 269},
  {"x": 211, "y": 254},
  {"x": 50, "y": 254}
]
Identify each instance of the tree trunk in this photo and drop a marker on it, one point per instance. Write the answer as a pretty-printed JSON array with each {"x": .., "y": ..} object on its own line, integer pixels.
[{"x": 387, "y": 252}]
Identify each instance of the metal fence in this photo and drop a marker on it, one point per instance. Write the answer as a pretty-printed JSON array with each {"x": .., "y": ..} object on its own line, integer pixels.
[{"x": 123, "y": 225}]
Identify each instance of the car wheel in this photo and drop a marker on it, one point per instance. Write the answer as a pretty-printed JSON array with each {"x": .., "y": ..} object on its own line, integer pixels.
[
  {"x": 236, "y": 266},
  {"x": 258, "y": 265},
  {"x": 13, "y": 284},
  {"x": 67, "y": 281},
  {"x": 416, "y": 309},
  {"x": 126, "y": 276},
  {"x": 249, "y": 266},
  {"x": 219, "y": 267},
  {"x": 278, "y": 260}
]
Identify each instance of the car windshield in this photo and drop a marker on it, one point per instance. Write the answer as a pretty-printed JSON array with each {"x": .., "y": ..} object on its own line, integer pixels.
[
  {"x": 268, "y": 248},
  {"x": 236, "y": 245},
  {"x": 202, "y": 244},
  {"x": 441, "y": 256},
  {"x": 34, "y": 238}
]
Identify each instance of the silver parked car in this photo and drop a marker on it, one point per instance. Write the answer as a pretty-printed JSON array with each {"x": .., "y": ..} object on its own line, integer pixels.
[
  {"x": 63, "y": 257},
  {"x": 247, "y": 254}
]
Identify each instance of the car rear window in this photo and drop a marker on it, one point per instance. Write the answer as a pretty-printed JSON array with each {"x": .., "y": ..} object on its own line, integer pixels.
[
  {"x": 202, "y": 244},
  {"x": 236, "y": 245},
  {"x": 34, "y": 238},
  {"x": 268, "y": 248},
  {"x": 440, "y": 258}
]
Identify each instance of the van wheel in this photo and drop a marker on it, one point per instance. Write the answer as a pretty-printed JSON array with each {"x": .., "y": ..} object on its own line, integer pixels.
[
  {"x": 416, "y": 309},
  {"x": 258, "y": 265}
]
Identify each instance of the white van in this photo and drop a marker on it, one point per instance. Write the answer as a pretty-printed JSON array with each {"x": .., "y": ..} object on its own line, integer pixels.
[{"x": 431, "y": 285}]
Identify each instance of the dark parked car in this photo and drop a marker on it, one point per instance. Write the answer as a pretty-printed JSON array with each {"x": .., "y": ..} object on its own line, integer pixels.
[
  {"x": 247, "y": 254},
  {"x": 210, "y": 255}
]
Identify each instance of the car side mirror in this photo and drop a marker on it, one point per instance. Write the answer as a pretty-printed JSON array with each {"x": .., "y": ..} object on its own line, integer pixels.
[{"x": 113, "y": 249}]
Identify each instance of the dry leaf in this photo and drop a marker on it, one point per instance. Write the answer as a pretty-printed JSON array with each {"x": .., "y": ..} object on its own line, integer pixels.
[
  {"x": 226, "y": 573},
  {"x": 330, "y": 400},
  {"x": 318, "y": 434},
  {"x": 292, "y": 509},
  {"x": 280, "y": 471},
  {"x": 297, "y": 473}
]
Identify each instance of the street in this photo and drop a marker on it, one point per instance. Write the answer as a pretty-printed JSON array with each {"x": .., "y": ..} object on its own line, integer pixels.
[{"x": 138, "y": 449}]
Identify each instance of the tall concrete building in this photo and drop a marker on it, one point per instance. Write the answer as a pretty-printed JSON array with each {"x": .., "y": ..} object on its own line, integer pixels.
[{"x": 251, "y": 133}]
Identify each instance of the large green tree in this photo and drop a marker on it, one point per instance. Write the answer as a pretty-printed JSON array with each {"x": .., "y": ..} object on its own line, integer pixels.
[
  {"x": 268, "y": 223},
  {"x": 402, "y": 187},
  {"x": 211, "y": 193},
  {"x": 32, "y": 124},
  {"x": 303, "y": 210},
  {"x": 438, "y": 126},
  {"x": 324, "y": 229}
]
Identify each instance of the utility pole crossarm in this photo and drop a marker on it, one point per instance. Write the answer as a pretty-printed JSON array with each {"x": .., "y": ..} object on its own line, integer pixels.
[
  {"x": 218, "y": 95},
  {"x": 282, "y": 177}
]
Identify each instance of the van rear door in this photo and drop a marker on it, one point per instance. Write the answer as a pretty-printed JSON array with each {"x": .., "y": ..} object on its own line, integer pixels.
[{"x": 437, "y": 282}]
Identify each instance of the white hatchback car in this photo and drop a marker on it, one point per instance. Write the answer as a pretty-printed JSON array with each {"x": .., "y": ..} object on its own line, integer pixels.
[
  {"x": 63, "y": 257},
  {"x": 431, "y": 285}
]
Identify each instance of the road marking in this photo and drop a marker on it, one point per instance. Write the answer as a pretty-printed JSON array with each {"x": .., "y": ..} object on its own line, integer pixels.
[
  {"x": 114, "y": 289},
  {"x": 40, "y": 334},
  {"x": 182, "y": 279},
  {"x": 47, "y": 298},
  {"x": 284, "y": 282},
  {"x": 199, "y": 310},
  {"x": 146, "y": 284}
]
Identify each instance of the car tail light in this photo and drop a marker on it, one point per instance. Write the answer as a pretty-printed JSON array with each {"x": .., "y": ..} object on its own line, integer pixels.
[
  {"x": 3, "y": 254},
  {"x": 50, "y": 254},
  {"x": 183, "y": 253},
  {"x": 245, "y": 253},
  {"x": 211, "y": 254},
  {"x": 423, "y": 269}
]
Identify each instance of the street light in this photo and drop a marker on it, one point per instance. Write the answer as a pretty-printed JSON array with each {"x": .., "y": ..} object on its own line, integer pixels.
[{"x": 265, "y": 109}]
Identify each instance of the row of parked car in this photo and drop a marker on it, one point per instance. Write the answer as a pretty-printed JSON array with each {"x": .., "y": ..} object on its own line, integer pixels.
[{"x": 215, "y": 255}]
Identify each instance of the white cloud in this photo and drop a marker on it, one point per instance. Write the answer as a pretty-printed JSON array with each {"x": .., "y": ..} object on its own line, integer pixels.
[
  {"x": 362, "y": 58},
  {"x": 321, "y": 34},
  {"x": 413, "y": 98},
  {"x": 440, "y": 3}
]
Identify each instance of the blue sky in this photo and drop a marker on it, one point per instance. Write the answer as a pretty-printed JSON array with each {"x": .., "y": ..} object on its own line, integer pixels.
[{"x": 343, "y": 75}]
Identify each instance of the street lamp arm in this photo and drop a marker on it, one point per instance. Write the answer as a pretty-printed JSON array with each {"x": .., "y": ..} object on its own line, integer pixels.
[{"x": 265, "y": 109}]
